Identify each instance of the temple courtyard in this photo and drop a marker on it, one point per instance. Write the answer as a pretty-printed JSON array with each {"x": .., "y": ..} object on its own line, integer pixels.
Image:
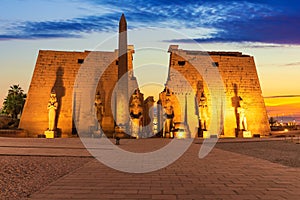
[{"x": 60, "y": 168}]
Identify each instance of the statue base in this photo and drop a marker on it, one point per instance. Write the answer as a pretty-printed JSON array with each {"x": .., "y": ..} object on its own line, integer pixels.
[
  {"x": 97, "y": 133},
  {"x": 200, "y": 132},
  {"x": 49, "y": 134},
  {"x": 120, "y": 131},
  {"x": 169, "y": 135},
  {"x": 247, "y": 134},
  {"x": 41, "y": 136},
  {"x": 206, "y": 134},
  {"x": 239, "y": 134}
]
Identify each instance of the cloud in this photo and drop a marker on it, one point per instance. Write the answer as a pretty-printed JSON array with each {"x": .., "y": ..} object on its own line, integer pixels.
[
  {"x": 279, "y": 29},
  {"x": 263, "y": 45},
  {"x": 60, "y": 29},
  {"x": 260, "y": 21},
  {"x": 36, "y": 36},
  {"x": 244, "y": 44},
  {"x": 294, "y": 64},
  {"x": 282, "y": 96}
]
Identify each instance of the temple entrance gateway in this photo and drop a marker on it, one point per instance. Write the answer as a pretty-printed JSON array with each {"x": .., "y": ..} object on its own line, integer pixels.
[{"x": 198, "y": 93}]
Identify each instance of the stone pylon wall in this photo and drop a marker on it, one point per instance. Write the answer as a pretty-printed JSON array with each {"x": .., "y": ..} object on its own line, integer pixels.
[
  {"x": 58, "y": 70},
  {"x": 54, "y": 70},
  {"x": 239, "y": 77}
]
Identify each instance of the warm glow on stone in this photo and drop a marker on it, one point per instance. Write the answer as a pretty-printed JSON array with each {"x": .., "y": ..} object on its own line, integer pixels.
[{"x": 180, "y": 135}]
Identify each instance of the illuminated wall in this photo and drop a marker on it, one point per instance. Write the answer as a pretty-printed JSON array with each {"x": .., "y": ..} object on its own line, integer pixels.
[
  {"x": 240, "y": 81},
  {"x": 57, "y": 70}
]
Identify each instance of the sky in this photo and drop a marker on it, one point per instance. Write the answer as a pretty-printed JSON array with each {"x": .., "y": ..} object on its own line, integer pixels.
[{"x": 269, "y": 30}]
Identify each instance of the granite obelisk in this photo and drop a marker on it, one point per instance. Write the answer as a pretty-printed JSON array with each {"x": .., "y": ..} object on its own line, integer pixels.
[
  {"x": 122, "y": 116},
  {"x": 123, "y": 57}
]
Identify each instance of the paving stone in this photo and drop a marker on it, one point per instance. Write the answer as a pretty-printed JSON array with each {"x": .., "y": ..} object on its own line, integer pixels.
[{"x": 220, "y": 175}]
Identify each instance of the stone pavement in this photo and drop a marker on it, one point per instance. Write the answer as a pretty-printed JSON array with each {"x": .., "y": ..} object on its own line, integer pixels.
[
  {"x": 220, "y": 175},
  {"x": 43, "y": 147}
]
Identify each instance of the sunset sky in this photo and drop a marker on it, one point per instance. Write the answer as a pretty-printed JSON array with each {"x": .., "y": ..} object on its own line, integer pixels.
[{"x": 269, "y": 30}]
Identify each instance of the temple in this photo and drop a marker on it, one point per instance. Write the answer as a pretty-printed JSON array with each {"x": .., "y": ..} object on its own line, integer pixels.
[
  {"x": 242, "y": 114},
  {"x": 243, "y": 110}
]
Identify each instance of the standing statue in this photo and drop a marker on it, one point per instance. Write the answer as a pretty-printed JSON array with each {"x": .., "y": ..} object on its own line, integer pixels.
[
  {"x": 169, "y": 115},
  {"x": 242, "y": 116},
  {"x": 136, "y": 113},
  {"x": 99, "y": 110},
  {"x": 203, "y": 110},
  {"x": 52, "y": 107}
]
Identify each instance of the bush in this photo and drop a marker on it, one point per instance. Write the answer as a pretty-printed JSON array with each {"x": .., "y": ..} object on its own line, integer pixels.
[{"x": 5, "y": 122}]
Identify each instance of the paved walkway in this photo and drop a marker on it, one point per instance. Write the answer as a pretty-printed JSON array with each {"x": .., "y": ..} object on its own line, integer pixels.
[
  {"x": 43, "y": 147},
  {"x": 220, "y": 175}
]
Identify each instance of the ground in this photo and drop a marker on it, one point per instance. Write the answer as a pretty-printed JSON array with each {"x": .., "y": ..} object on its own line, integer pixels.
[
  {"x": 235, "y": 169},
  {"x": 24, "y": 175},
  {"x": 283, "y": 152}
]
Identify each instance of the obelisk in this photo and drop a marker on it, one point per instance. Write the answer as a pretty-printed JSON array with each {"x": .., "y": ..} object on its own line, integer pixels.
[
  {"x": 122, "y": 116},
  {"x": 123, "y": 58}
]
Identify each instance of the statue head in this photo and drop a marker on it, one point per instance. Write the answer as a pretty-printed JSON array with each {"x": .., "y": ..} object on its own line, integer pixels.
[
  {"x": 137, "y": 91},
  {"x": 53, "y": 96},
  {"x": 136, "y": 95},
  {"x": 98, "y": 96},
  {"x": 168, "y": 92},
  {"x": 168, "y": 102}
]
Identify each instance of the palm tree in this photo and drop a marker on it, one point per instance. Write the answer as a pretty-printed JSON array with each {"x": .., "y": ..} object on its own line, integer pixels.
[
  {"x": 14, "y": 102},
  {"x": 272, "y": 121},
  {"x": 15, "y": 90}
]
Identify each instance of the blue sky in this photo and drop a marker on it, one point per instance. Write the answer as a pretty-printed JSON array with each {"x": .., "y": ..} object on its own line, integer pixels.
[
  {"x": 224, "y": 20},
  {"x": 267, "y": 29}
]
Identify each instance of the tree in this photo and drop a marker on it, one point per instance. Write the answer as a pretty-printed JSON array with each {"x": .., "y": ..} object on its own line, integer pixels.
[
  {"x": 272, "y": 121},
  {"x": 14, "y": 102}
]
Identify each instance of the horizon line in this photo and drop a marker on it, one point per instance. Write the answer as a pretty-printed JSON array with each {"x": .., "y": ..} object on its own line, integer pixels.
[{"x": 282, "y": 96}]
